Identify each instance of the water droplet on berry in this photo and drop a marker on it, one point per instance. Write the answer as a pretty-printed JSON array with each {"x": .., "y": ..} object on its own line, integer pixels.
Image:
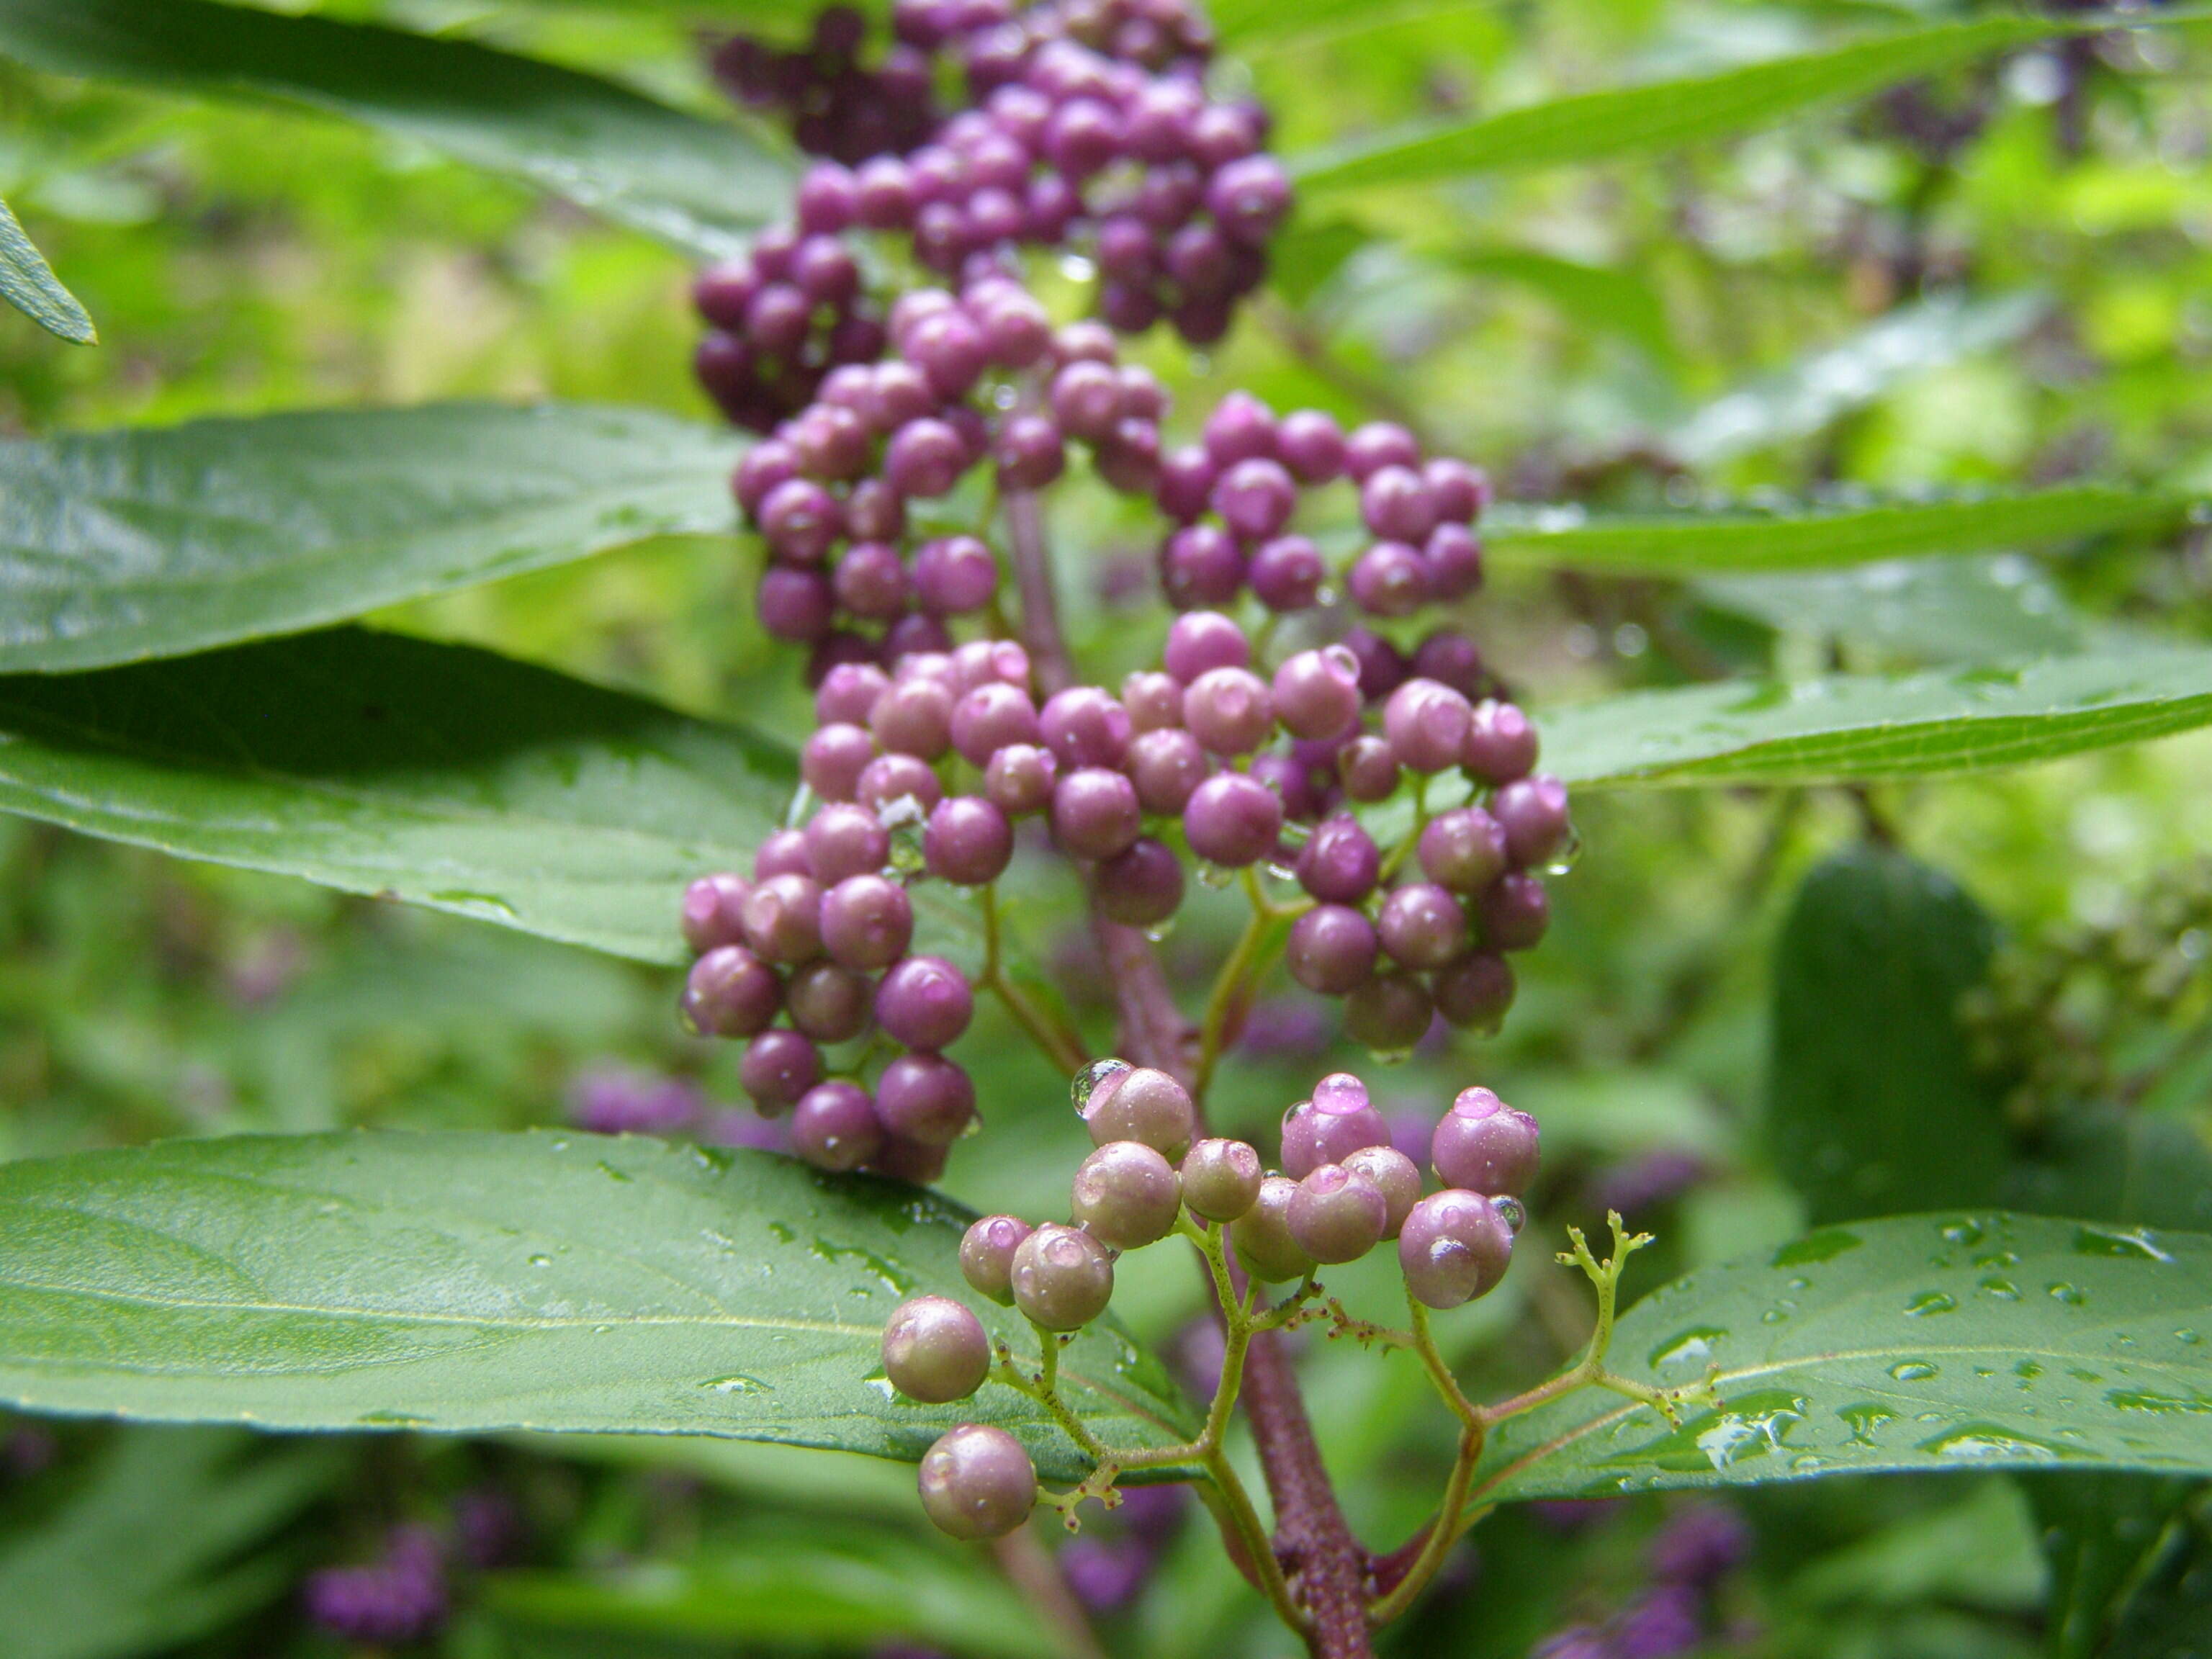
[
  {"x": 1569, "y": 850},
  {"x": 1076, "y": 268},
  {"x": 1215, "y": 875},
  {"x": 1087, "y": 1081},
  {"x": 1512, "y": 1213}
]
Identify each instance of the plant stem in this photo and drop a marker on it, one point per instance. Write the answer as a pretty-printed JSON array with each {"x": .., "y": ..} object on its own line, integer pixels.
[
  {"x": 1030, "y": 1568},
  {"x": 1062, "y": 1047}
]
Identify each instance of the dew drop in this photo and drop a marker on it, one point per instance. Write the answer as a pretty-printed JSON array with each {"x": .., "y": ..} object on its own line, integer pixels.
[
  {"x": 1511, "y": 1212},
  {"x": 1087, "y": 1081},
  {"x": 2072, "y": 1295},
  {"x": 738, "y": 1383},
  {"x": 1215, "y": 875},
  {"x": 1929, "y": 1303},
  {"x": 1912, "y": 1370}
]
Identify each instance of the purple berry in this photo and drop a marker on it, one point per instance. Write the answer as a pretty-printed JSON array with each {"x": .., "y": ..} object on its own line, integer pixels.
[
  {"x": 1019, "y": 779},
  {"x": 1154, "y": 701},
  {"x": 915, "y": 717},
  {"x": 1141, "y": 887},
  {"x": 1426, "y": 724},
  {"x": 846, "y": 840},
  {"x": 1239, "y": 428},
  {"x": 1083, "y": 727},
  {"x": 1463, "y": 850},
  {"x": 968, "y": 841},
  {"x": 1185, "y": 486},
  {"x": 782, "y": 919},
  {"x": 872, "y": 582},
  {"x": 1452, "y": 554},
  {"x": 1233, "y": 820},
  {"x": 1379, "y": 444},
  {"x": 711, "y": 912},
  {"x": 1389, "y": 1013},
  {"x": 1475, "y": 992},
  {"x": 924, "y": 1099},
  {"x": 1286, "y": 574},
  {"x": 1514, "y": 910},
  {"x": 1221, "y": 1179},
  {"x": 924, "y": 1002},
  {"x": 1199, "y": 565},
  {"x": 987, "y": 1255},
  {"x": 925, "y": 457},
  {"x": 1396, "y": 1176},
  {"x": 1141, "y": 1104},
  {"x": 977, "y": 1482},
  {"x": 1029, "y": 452},
  {"x": 793, "y": 604},
  {"x": 1201, "y": 640},
  {"x": 1533, "y": 812},
  {"x": 1095, "y": 812},
  {"x": 848, "y": 694},
  {"x": 829, "y": 1003},
  {"x": 1485, "y": 1145},
  {"x": 834, "y": 1126},
  {"x": 1336, "y": 1215},
  {"x": 1316, "y": 693},
  {"x": 1453, "y": 1247},
  {"x": 1062, "y": 1277},
  {"x": 935, "y": 1350},
  {"x": 1396, "y": 506},
  {"x": 1421, "y": 925},
  {"x": 730, "y": 992},
  {"x": 1311, "y": 445},
  {"x": 1390, "y": 579},
  {"x": 898, "y": 787},
  {"x": 778, "y": 1068},
  {"x": 1339, "y": 862},
  {"x": 1250, "y": 196},
  {"x": 1501, "y": 744},
  {"x": 1255, "y": 498},
  {"x": 991, "y": 718},
  {"x": 866, "y": 922},
  {"x": 783, "y": 853},
  {"x": 1312, "y": 1137},
  {"x": 954, "y": 575},
  {"x": 1331, "y": 950},
  {"x": 1125, "y": 1195},
  {"x": 1229, "y": 710},
  {"x": 1166, "y": 767},
  {"x": 1261, "y": 1235}
]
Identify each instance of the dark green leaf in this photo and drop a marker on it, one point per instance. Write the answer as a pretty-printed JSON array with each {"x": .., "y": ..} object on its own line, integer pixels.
[
  {"x": 28, "y": 283},
  {"x": 1802, "y": 538},
  {"x": 1634, "y": 120},
  {"x": 2113, "y": 1164},
  {"x": 1983, "y": 608},
  {"x": 2101, "y": 1532},
  {"x": 1872, "y": 1103},
  {"x": 695, "y": 184},
  {"x": 1846, "y": 726},
  {"x": 376, "y": 764},
  {"x": 116, "y": 546},
  {"x": 145, "y": 1555},
  {"x": 1911, "y": 1343},
  {"x": 473, "y": 1282}
]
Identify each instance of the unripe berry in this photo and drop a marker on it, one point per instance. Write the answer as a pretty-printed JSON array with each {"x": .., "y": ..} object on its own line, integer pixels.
[
  {"x": 987, "y": 1255},
  {"x": 1199, "y": 641},
  {"x": 1475, "y": 992},
  {"x": 977, "y": 1482},
  {"x": 1085, "y": 726},
  {"x": 1389, "y": 1014},
  {"x": 1426, "y": 724},
  {"x": 1485, "y": 1145},
  {"x": 782, "y": 919},
  {"x": 926, "y": 1099},
  {"x": 846, "y": 840},
  {"x": 1095, "y": 812},
  {"x": 1396, "y": 1176},
  {"x": 898, "y": 788},
  {"x": 730, "y": 992},
  {"x": 1331, "y": 949},
  {"x": 778, "y": 1068},
  {"x": 935, "y": 1350},
  {"x": 829, "y": 1003},
  {"x": 834, "y": 1126},
  {"x": 1062, "y": 1277},
  {"x": 1125, "y": 1195},
  {"x": 1335, "y": 1215},
  {"x": 1261, "y": 1235},
  {"x": 968, "y": 841},
  {"x": 713, "y": 912},
  {"x": 924, "y": 1002},
  {"x": 1229, "y": 710},
  {"x": 1464, "y": 849},
  {"x": 867, "y": 922},
  {"x": 1514, "y": 910},
  {"x": 1233, "y": 820},
  {"x": 1421, "y": 925},
  {"x": 1141, "y": 1104},
  {"x": 1313, "y": 1136},
  {"x": 1339, "y": 862},
  {"x": 1221, "y": 1179},
  {"x": 1140, "y": 888},
  {"x": 1453, "y": 1248},
  {"x": 1501, "y": 744},
  {"x": 1316, "y": 693},
  {"x": 1019, "y": 779},
  {"x": 1533, "y": 812}
]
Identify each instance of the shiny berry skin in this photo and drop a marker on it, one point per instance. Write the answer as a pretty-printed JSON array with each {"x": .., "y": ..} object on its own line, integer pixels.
[
  {"x": 1312, "y": 1136},
  {"x": 1287, "y": 574},
  {"x": 833, "y": 758},
  {"x": 898, "y": 786},
  {"x": 1533, "y": 812},
  {"x": 730, "y": 992},
  {"x": 867, "y": 922},
  {"x": 1389, "y": 1014},
  {"x": 1201, "y": 565},
  {"x": 1261, "y": 1235},
  {"x": 992, "y": 717},
  {"x": 1335, "y": 1215},
  {"x": 1378, "y": 444},
  {"x": 914, "y": 717},
  {"x": 1062, "y": 1277},
  {"x": 846, "y": 840},
  {"x": 1141, "y": 887},
  {"x": 1221, "y": 1179},
  {"x": 1485, "y": 1145},
  {"x": 977, "y": 1482},
  {"x": 1143, "y": 1105},
  {"x": 1452, "y": 554},
  {"x": 1085, "y": 726},
  {"x": 829, "y": 1003},
  {"x": 1453, "y": 1247},
  {"x": 1464, "y": 849},
  {"x": 1501, "y": 744},
  {"x": 1233, "y": 820},
  {"x": 782, "y": 919},
  {"x": 1421, "y": 925},
  {"x": 924, "y": 1099},
  {"x": 1368, "y": 769},
  {"x": 935, "y": 1350},
  {"x": 987, "y": 1255},
  {"x": 1339, "y": 862},
  {"x": 924, "y": 1002},
  {"x": 1426, "y": 724},
  {"x": 834, "y": 1126},
  {"x": 1019, "y": 779},
  {"x": 1125, "y": 1195},
  {"x": 1396, "y": 1176},
  {"x": 954, "y": 575},
  {"x": 711, "y": 912},
  {"x": 1166, "y": 767},
  {"x": 1514, "y": 911},
  {"x": 1230, "y": 711},
  {"x": 782, "y": 854},
  {"x": 968, "y": 841},
  {"x": 1200, "y": 640},
  {"x": 1475, "y": 992},
  {"x": 1095, "y": 812},
  {"x": 779, "y": 1067},
  {"x": 1316, "y": 693},
  {"x": 1331, "y": 949}
]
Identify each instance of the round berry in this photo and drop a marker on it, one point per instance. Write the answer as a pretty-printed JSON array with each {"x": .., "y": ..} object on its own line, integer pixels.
[
  {"x": 713, "y": 907},
  {"x": 1390, "y": 579},
  {"x": 1141, "y": 887},
  {"x": 783, "y": 853},
  {"x": 1533, "y": 812},
  {"x": 829, "y": 1003},
  {"x": 1379, "y": 444},
  {"x": 1395, "y": 503},
  {"x": 924, "y": 1002},
  {"x": 1141, "y": 1104},
  {"x": 977, "y": 1482},
  {"x": 1339, "y": 863},
  {"x": 1389, "y": 1013},
  {"x": 1154, "y": 701},
  {"x": 833, "y": 758},
  {"x": 1331, "y": 949},
  {"x": 834, "y": 1126},
  {"x": 1229, "y": 710},
  {"x": 1201, "y": 640},
  {"x": 1426, "y": 724},
  {"x": 1475, "y": 992},
  {"x": 987, "y": 1255},
  {"x": 954, "y": 575},
  {"x": 1313, "y": 1136},
  {"x": 1201, "y": 564},
  {"x": 866, "y": 922},
  {"x": 1233, "y": 820},
  {"x": 990, "y": 717},
  {"x": 1515, "y": 911},
  {"x": 1095, "y": 812},
  {"x": 1062, "y": 1277},
  {"x": 968, "y": 841},
  {"x": 1086, "y": 727},
  {"x": 1287, "y": 574},
  {"x": 1316, "y": 693},
  {"x": 935, "y": 1350},
  {"x": 926, "y": 1099},
  {"x": 1261, "y": 1235},
  {"x": 1421, "y": 925},
  {"x": 914, "y": 717},
  {"x": 1463, "y": 850},
  {"x": 779, "y": 1067},
  {"x": 899, "y": 788},
  {"x": 782, "y": 919},
  {"x": 1501, "y": 744},
  {"x": 1368, "y": 769},
  {"x": 1125, "y": 1195},
  {"x": 1312, "y": 446},
  {"x": 1453, "y": 1247},
  {"x": 1166, "y": 767},
  {"x": 1485, "y": 1145},
  {"x": 730, "y": 992},
  {"x": 846, "y": 840},
  {"x": 1018, "y": 779},
  {"x": 1336, "y": 1215},
  {"x": 848, "y": 693},
  {"x": 1255, "y": 498},
  {"x": 1396, "y": 1176}
]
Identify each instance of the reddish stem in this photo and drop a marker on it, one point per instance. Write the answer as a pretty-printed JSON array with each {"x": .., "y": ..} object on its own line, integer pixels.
[{"x": 1327, "y": 1564}]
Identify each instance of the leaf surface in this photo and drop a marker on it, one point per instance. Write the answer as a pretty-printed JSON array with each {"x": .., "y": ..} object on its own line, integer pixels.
[{"x": 28, "y": 283}]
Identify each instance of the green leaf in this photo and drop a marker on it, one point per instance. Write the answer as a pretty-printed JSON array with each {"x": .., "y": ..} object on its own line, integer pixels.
[
  {"x": 1820, "y": 538},
  {"x": 116, "y": 546},
  {"x": 1845, "y": 726},
  {"x": 440, "y": 775},
  {"x": 28, "y": 283},
  {"x": 1912, "y": 1343},
  {"x": 1872, "y": 1102},
  {"x": 695, "y": 184},
  {"x": 784, "y": 1581},
  {"x": 113, "y": 1571},
  {"x": 1665, "y": 114},
  {"x": 1988, "y": 608},
  {"x": 477, "y": 1282},
  {"x": 2100, "y": 1533}
]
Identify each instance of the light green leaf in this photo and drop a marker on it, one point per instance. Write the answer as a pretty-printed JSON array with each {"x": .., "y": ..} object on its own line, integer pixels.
[
  {"x": 477, "y": 1282},
  {"x": 1980, "y": 609},
  {"x": 1634, "y": 120},
  {"x": 697, "y": 185},
  {"x": 114, "y": 1571},
  {"x": 1911, "y": 1343},
  {"x": 28, "y": 283},
  {"x": 1804, "y": 537},
  {"x": 116, "y": 546},
  {"x": 440, "y": 775},
  {"x": 1846, "y": 726}
]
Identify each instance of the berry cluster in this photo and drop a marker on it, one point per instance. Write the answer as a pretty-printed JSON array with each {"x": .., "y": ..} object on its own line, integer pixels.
[
  {"x": 833, "y": 105},
  {"x": 1340, "y": 1190}
]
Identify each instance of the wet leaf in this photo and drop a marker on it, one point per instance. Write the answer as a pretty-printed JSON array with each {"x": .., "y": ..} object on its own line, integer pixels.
[
  {"x": 28, "y": 283},
  {"x": 477, "y": 1282}
]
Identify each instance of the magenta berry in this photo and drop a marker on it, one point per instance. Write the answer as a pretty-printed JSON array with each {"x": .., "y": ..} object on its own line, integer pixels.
[
  {"x": 1201, "y": 641},
  {"x": 1533, "y": 813},
  {"x": 829, "y": 1003},
  {"x": 924, "y": 1002},
  {"x": 779, "y": 1067},
  {"x": 730, "y": 992},
  {"x": 1141, "y": 887},
  {"x": 987, "y": 1255},
  {"x": 1336, "y": 1214},
  {"x": 846, "y": 840},
  {"x": 1062, "y": 1277},
  {"x": 1229, "y": 710},
  {"x": 1316, "y": 693},
  {"x": 1485, "y": 1145},
  {"x": 935, "y": 1350},
  {"x": 968, "y": 841},
  {"x": 1020, "y": 780},
  {"x": 1396, "y": 1175},
  {"x": 1426, "y": 724},
  {"x": 1233, "y": 820},
  {"x": 1143, "y": 1105},
  {"x": 924, "y": 1099},
  {"x": 1464, "y": 849},
  {"x": 1514, "y": 912},
  {"x": 1312, "y": 1137},
  {"x": 711, "y": 912},
  {"x": 1421, "y": 925},
  {"x": 977, "y": 1482},
  {"x": 1501, "y": 744},
  {"x": 1125, "y": 1195},
  {"x": 1331, "y": 949},
  {"x": 866, "y": 922},
  {"x": 1095, "y": 812},
  {"x": 1261, "y": 1235},
  {"x": 1389, "y": 1013},
  {"x": 1221, "y": 1179},
  {"x": 834, "y": 1126},
  {"x": 1453, "y": 1247},
  {"x": 1475, "y": 992}
]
